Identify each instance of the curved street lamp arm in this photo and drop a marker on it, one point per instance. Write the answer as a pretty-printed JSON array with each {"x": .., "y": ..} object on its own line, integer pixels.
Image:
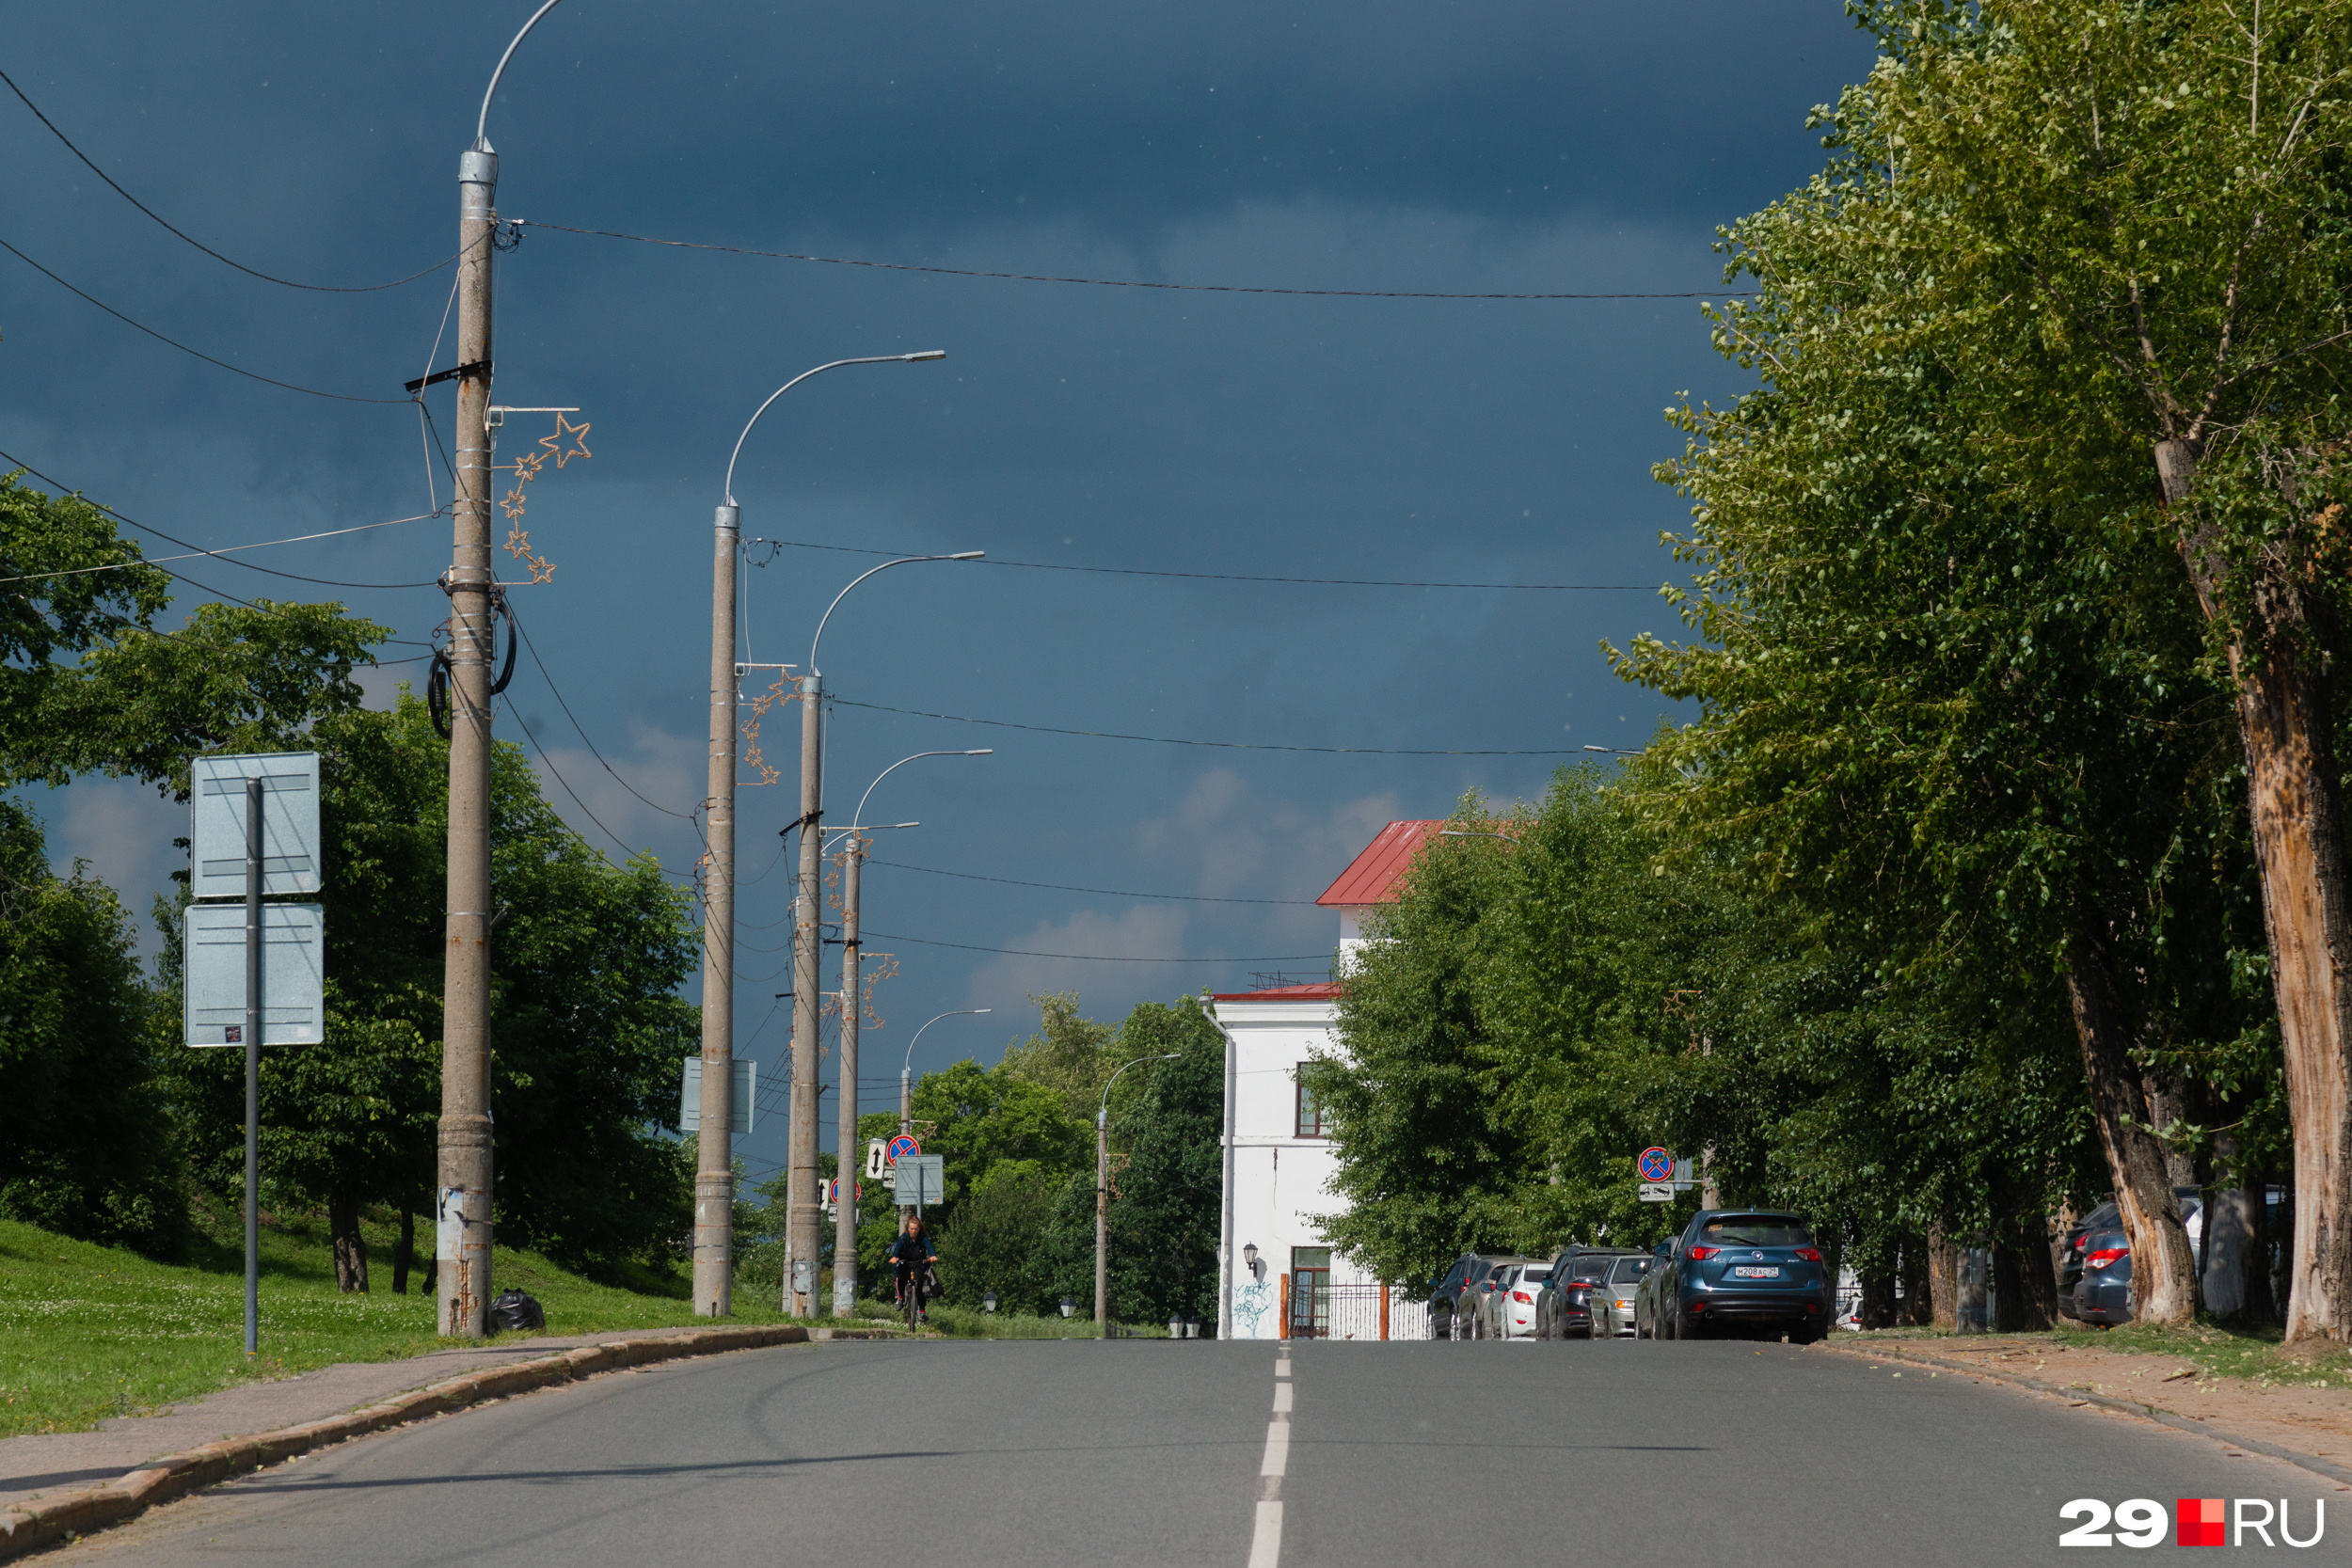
[
  {"x": 835, "y": 365},
  {"x": 1103, "y": 1114},
  {"x": 859, "y": 815},
  {"x": 482, "y": 125},
  {"x": 903, "y": 560},
  {"x": 958, "y": 1012}
]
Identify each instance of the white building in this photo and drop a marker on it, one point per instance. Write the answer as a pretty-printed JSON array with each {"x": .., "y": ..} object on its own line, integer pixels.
[{"x": 1279, "y": 1160}]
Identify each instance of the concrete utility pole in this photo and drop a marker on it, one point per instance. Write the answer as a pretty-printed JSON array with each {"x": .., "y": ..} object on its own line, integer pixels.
[
  {"x": 845, "y": 1167},
  {"x": 802, "y": 1241},
  {"x": 1102, "y": 1195},
  {"x": 714, "y": 1161},
  {"x": 462, "y": 1207},
  {"x": 714, "y": 1220}
]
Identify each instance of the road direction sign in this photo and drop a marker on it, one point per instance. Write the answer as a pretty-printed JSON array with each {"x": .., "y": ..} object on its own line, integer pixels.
[
  {"x": 1656, "y": 1164},
  {"x": 921, "y": 1179},
  {"x": 294, "y": 1001},
  {"x": 289, "y": 823},
  {"x": 690, "y": 1098},
  {"x": 877, "y": 1156},
  {"x": 1657, "y": 1192},
  {"x": 902, "y": 1146}
]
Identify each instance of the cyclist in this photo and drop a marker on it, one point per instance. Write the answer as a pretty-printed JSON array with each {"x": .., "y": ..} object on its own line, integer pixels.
[{"x": 911, "y": 1258}]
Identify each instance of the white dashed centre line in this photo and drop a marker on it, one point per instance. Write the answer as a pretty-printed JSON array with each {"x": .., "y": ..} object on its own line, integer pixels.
[{"x": 1266, "y": 1538}]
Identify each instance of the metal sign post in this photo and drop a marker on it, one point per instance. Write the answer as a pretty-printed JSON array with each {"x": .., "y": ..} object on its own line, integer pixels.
[
  {"x": 272, "y": 804},
  {"x": 690, "y": 1110},
  {"x": 921, "y": 1179}
]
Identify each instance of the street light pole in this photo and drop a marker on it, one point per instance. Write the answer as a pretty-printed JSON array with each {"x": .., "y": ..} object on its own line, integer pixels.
[
  {"x": 845, "y": 1139},
  {"x": 461, "y": 1248},
  {"x": 906, "y": 1076},
  {"x": 714, "y": 1161},
  {"x": 803, "y": 1212},
  {"x": 1102, "y": 1195}
]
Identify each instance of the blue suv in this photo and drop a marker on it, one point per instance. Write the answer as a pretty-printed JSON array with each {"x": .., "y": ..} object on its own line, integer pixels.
[{"x": 1739, "y": 1266}]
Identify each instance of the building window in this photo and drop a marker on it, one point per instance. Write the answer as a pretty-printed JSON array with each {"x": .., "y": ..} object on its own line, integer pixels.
[
  {"x": 1312, "y": 1122},
  {"x": 1310, "y": 1292}
]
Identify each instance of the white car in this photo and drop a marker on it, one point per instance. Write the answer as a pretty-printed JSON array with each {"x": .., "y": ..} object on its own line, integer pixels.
[
  {"x": 1613, "y": 1303},
  {"x": 1513, "y": 1305}
]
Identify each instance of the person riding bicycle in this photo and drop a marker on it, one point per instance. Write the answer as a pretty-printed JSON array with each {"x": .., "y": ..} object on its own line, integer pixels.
[{"x": 911, "y": 1258}]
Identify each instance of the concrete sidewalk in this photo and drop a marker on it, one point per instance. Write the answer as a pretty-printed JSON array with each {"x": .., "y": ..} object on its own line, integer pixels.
[{"x": 71, "y": 1461}]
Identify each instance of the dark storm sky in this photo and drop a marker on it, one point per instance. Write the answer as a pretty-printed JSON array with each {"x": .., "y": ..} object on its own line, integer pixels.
[{"x": 1473, "y": 147}]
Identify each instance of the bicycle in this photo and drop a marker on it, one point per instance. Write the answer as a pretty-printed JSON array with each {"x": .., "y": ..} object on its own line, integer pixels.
[{"x": 912, "y": 1282}]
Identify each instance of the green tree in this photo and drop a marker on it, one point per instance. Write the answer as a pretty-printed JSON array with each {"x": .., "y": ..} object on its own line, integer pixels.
[
  {"x": 84, "y": 1136},
  {"x": 588, "y": 1030},
  {"x": 2120, "y": 230}
]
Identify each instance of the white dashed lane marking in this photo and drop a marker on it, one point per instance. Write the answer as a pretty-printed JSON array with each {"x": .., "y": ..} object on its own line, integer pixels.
[{"x": 1265, "y": 1536}]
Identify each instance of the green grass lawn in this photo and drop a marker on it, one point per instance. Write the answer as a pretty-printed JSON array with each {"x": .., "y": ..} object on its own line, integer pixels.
[{"x": 88, "y": 1332}]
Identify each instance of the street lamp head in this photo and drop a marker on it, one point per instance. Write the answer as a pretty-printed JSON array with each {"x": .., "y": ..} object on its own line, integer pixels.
[
  {"x": 925, "y": 354},
  {"x": 969, "y": 555},
  {"x": 1069, "y": 1305},
  {"x": 981, "y": 752}
]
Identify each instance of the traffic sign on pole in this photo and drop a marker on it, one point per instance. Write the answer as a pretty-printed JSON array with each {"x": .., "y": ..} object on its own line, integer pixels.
[
  {"x": 877, "y": 1156},
  {"x": 903, "y": 1146},
  {"x": 289, "y": 823},
  {"x": 921, "y": 1179},
  {"x": 1657, "y": 1192},
  {"x": 1656, "y": 1164},
  {"x": 690, "y": 1109}
]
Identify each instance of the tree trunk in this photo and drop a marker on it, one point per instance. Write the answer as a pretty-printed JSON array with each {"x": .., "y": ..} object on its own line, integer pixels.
[
  {"x": 1942, "y": 1281},
  {"x": 351, "y": 1251},
  {"x": 2168, "y": 1106},
  {"x": 2292, "y": 793},
  {"x": 1918, "y": 1303},
  {"x": 1878, "y": 1300},
  {"x": 406, "y": 1253},
  {"x": 2025, "y": 1288},
  {"x": 2164, "y": 1274}
]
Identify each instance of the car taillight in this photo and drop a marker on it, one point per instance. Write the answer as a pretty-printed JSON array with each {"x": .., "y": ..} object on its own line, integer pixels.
[
  {"x": 2105, "y": 1256},
  {"x": 1523, "y": 1298},
  {"x": 1810, "y": 1254},
  {"x": 1701, "y": 1254}
]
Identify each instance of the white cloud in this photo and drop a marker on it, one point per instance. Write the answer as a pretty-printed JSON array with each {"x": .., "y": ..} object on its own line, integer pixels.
[
  {"x": 1007, "y": 981},
  {"x": 1228, "y": 841}
]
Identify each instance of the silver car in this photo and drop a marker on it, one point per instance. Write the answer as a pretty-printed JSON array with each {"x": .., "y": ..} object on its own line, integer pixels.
[{"x": 1613, "y": 1305}]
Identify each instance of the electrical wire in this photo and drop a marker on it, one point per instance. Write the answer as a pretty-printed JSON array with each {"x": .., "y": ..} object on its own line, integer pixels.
[
  {"x": 1237, "y": 577},
  {"x": 1106, "y": 891},
  {"x": 288, "y": 283},
  {"x": 146, "y": 528},
  {"x": 268, "y": 381},
  {"x": 223, "y": 554},
  {"x": 535, "y": 660},
  {"x": 1100, "y": 958},
  {"x": 1219, "y": 745},
  {"x": 1110, "y": 282},
  {"x": 541, "y": 751}
]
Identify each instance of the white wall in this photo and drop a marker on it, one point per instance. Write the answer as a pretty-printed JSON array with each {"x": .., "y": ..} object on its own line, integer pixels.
[{"x": 1280, "y": 1178}]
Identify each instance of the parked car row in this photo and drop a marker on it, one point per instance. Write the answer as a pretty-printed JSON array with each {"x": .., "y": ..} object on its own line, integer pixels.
[{"x": 1730, "y": 1268}]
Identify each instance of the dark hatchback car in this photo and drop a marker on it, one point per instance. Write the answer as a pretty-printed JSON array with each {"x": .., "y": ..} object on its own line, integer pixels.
[
  {"x": 1454, "y": 1299},
  {"x": 1564, "y": 1306},
  {"x": 2104, "y": 1293},
  {"x": 1736, "y": 1267}
]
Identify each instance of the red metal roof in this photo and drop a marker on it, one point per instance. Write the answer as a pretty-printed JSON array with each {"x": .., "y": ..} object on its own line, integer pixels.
[
  {"x": 1373, "y": 877},
  {"x": 1322, "y": 991}
]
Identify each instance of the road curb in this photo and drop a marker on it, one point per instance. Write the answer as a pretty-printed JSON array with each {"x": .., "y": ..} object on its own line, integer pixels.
[
  {"x": 28, "y": 1527},
  {"x": 2312, "y": 1463}
]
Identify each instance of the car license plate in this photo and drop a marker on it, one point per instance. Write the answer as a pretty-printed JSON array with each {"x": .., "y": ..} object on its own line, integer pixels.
[{"x": 1745, "y": 1271}]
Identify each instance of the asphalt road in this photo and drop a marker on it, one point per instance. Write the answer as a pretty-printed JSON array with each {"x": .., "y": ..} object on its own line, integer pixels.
[{"x": 1018, "y": 1454}]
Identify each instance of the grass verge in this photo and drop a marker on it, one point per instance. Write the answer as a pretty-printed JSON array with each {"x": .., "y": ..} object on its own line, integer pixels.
[{"x": 89, "y": 1332}]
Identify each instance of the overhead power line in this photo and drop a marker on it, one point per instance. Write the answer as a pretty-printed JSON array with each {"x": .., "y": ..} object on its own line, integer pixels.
[
  {"x": 1110, "y": 282},
  {"x": 288, "y": 283},
  {"x": 1106, "y": 891},
  {"x": 1219, "y": 745},
  {"x": 195, "y": 549},
  {"x": 1098, "y": 958},
  {"x": 174, "y": 343},
  {"x": 1239, "y": 577}
]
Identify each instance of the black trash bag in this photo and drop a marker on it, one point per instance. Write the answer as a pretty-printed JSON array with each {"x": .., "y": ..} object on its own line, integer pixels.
[{"x": 514, "y": 1310}]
